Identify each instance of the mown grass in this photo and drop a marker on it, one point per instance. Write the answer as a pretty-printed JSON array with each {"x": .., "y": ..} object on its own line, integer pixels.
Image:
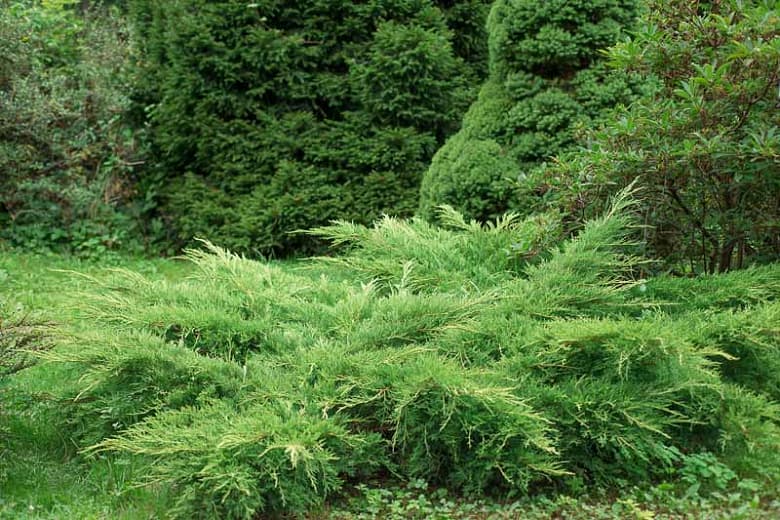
[{"x": 456, "y": 372}]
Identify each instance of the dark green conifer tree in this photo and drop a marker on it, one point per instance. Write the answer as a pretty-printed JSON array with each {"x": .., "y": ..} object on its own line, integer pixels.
[{"x": 269, "y": 117}]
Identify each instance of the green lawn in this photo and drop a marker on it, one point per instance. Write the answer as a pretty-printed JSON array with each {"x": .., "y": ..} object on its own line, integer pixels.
[{"x": 46, "y": 478}]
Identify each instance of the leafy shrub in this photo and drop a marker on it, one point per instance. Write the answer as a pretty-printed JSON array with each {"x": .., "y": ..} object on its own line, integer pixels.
[
  {"x": 66, "y": 157},
  {"x": 267, "y": 118},
  {"x": 256, "y": 389},
  {"x": 704, "y": 470},
  {"x": 546, "y": 80},
  {"x": 704, "y": 146}
]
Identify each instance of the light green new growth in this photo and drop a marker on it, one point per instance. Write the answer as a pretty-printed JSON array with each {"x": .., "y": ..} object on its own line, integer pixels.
[{"x": 473, "y": 356}]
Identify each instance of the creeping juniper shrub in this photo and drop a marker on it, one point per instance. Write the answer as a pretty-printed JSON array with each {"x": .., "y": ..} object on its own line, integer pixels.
[
  {"x": 21, "y": 335},
  {"x": 130, "y": 376},
  {"x": 256, "y": 390}
]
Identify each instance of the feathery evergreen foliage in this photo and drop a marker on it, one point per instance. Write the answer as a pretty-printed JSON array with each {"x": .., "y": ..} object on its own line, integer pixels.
[
  {"x": 21, "y": 334},
  {"x": 546, "y": 78},
  {"x": 275, "y": 116},
  {"x": 254, "y": 390}
]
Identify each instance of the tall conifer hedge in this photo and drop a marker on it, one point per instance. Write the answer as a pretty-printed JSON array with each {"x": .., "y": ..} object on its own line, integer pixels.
[{"x": 273, "y": 116}]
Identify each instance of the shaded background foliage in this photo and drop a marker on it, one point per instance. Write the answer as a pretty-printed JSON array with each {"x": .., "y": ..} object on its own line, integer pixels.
[
  {"x": 139, "y": 125},
  {"x": 270, "y": 117},
  {"x": 66, "y": 153}
]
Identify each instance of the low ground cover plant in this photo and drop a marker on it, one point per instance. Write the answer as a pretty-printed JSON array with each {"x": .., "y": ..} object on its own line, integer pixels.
[{"x": 253, "y": 389}]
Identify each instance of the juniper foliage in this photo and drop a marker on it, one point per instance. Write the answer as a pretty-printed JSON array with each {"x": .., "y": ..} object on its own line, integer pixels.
[
  {"x": 22, "y": 334},
  {"x": 256, "y": 390}
]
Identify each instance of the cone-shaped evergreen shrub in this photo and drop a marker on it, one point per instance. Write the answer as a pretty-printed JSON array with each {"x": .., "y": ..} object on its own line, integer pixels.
[
  {"x": 269, "y": 117},
  {"x": 546, "y": 79},
  {"x": 255, "y": 390}
]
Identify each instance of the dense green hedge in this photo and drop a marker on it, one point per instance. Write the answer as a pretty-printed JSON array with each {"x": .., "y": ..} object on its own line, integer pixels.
[
  {"x": 274, "y": 116},
  {"x": 546, "y": 79}
]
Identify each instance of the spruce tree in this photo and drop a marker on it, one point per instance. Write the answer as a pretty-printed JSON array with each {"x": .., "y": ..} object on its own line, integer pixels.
[
  {"x": 270, "y": 117},
  {"x": 546, "y": 79}
]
